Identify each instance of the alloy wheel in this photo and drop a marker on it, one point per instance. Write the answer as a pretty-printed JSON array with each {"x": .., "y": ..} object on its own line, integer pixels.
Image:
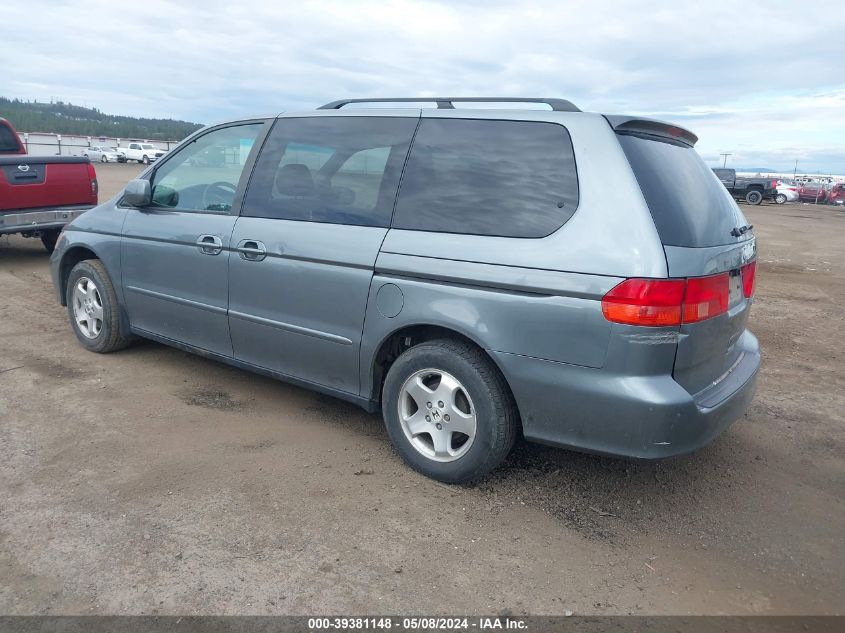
[
  {"x": 437, "y": 415},
  {"x": 88, "y": 308}
]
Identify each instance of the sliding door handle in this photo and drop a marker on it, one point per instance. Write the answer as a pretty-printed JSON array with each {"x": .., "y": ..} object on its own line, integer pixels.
[{"x": 252, "y": 250}]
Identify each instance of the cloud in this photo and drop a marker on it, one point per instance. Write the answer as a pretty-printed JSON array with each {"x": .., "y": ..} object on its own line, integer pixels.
[{"x": 752, "y": 76}]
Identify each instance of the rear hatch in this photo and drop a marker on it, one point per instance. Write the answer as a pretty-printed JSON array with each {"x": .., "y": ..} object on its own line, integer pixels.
[
  {"x": 46, "y": 182},
  {"x": 706, "y": 238}
]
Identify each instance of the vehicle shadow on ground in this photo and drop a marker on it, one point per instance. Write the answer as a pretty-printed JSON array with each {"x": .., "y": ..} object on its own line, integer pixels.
[
  {"x": 603, "y": 497},
  {"x": 599, "y": 496},
  {"x": 21, "y": 251}
]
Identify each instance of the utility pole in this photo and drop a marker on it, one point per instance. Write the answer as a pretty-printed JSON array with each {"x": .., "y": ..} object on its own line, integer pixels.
[
  {"x": 795, "y": 171},
  {"x": 725, "y": 155}
]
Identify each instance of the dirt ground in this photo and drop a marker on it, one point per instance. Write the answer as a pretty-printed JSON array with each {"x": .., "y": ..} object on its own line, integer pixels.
[{"x": 152, "y": 481}]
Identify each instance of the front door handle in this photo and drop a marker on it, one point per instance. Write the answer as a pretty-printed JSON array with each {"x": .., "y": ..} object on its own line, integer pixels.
[
  {"x": 210, "y": 244},
  {"x": 252, "y": 250}
]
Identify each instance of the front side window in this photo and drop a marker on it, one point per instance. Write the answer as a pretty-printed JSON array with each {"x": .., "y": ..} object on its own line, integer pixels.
[
  {"x": 339, "y": 170},
  {"x": 204, "y": 175},
  {"x": 485, "y": 177}
]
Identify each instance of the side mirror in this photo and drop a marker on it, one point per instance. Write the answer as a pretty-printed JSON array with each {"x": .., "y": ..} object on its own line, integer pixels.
[{"x": 138, "y": 193}]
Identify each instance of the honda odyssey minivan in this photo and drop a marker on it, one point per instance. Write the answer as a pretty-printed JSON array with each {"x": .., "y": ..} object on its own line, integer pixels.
[{"x": 582, "y": 279}]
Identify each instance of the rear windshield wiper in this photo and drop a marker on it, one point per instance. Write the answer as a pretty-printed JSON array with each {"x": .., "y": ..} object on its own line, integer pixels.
[{"x": 739, "y": 231}]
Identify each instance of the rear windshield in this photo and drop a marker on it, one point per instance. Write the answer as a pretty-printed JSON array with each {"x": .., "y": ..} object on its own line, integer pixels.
[
  {"x": 689, "y": 205},
  {"x": 8, "y": 140}
]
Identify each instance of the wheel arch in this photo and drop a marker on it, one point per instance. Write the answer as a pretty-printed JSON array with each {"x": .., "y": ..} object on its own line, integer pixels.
[
  {"x": 411, "y": 335},
  {"x": 70, "y": 258}
]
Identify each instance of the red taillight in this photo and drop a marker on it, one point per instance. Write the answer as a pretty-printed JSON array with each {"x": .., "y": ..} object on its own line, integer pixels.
[
  {"x": 668, "y": 302},
  {"x": 749, "y": 272},
  {"x": 654, "y": 302},
  {"x": 92, "y": 176},
  {"x": 706, "y": 297}
]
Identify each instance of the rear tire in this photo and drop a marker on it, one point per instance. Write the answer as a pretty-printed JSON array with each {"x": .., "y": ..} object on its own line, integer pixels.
[
  {"x": 145, "y": 160},
  {"x": 49, "y": 239},
  {"x": 754, "y": 197},
  {"x": 93, "y": 309},
  {"x": 466, "y": 392},
  {"x": 780, "y": 198},
  {"x": 104, "y": 159}
]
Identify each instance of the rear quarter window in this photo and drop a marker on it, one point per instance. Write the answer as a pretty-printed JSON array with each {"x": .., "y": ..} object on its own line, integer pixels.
[
  {"x": 689, "y": 205},
  {"x": 483, "y": 177},
  {"x": 9, "y": 142}
]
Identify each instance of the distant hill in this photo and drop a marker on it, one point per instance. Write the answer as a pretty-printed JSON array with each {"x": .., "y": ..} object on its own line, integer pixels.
[
  {"x": 65, "y": 118},
  {"x": 758, "y": 170}
]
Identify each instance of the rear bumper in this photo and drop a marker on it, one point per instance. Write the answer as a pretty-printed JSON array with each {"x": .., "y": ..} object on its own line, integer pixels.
[
  {"x": 646, "y": 417},
  {"x": 37, "y": 220}
]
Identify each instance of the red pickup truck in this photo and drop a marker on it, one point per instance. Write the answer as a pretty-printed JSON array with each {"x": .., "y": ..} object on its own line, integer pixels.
[{"x": 40, "y": 194}]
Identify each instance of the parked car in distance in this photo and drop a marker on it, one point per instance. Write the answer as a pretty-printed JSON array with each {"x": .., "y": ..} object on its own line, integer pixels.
[
  {"x": 837, "y": 194},
  {"x": 40, "y": 194},
  {"x": 500, "y": 291},
  {"x": 786, "y": 192},
  {"x": 10, "y": 142},
  {"x": 144, "y": 153},
  {"x": 101, "y": 154},
  {"x": 752, "y": 190},
  {"x": 812, "y": 192}
]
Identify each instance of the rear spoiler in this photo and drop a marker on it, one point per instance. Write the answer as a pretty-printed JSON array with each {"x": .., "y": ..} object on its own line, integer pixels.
[{"x": 651, "y": 127}]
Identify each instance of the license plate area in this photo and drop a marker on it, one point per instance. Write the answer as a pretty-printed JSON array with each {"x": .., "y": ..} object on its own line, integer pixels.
[{"x": 735, "y": 295}]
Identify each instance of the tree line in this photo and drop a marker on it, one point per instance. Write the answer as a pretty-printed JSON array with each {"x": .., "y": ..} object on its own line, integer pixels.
[{"x": 66, "y": 118}]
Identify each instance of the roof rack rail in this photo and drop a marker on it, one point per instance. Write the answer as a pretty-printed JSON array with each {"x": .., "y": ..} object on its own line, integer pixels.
[{"x": 446, "y": 103}]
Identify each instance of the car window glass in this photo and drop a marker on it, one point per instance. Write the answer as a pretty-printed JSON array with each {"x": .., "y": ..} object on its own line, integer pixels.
[
  {"x": 485, "y": 177},
  {"x": 8, "y": 140},
  {"x": 339, "y": 170},
  {"x": 362, "y": 174},
  {"x": 690, "y": 207},
  {"x": 204, "y": 174}
]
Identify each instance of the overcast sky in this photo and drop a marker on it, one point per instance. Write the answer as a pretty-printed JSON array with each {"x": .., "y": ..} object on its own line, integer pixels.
[{"x": 763, "y": 80}]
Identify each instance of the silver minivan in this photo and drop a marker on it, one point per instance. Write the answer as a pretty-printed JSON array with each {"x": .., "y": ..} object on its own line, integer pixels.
[{"x": 579, "y": 278}]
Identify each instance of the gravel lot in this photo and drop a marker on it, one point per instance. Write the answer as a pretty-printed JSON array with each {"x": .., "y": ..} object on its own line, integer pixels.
[{"x": 152, "y": 481}]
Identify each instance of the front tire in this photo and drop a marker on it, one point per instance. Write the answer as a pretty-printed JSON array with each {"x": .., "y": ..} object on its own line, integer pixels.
[
  {"x": 93, "y": 308},
  {"x": 754, "y": 197},
  {"x": 448, "y": 411},
  {"x": 145, "y": 160},
  {"x": 104, "y": 159},
  {"x": 780, "y": 198}
]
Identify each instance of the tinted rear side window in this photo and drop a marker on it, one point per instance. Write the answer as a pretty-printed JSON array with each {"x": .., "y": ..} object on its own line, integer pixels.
[
  {"x": 506, "y": 178},
  {"x": 689, "y": 205},
  {"x": 339, "y": 170},
  {"x": 8, "y": 140}
]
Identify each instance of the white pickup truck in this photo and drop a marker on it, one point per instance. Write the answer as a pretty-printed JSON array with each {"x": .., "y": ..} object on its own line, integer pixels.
[{"x": 142, "y": 152}]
